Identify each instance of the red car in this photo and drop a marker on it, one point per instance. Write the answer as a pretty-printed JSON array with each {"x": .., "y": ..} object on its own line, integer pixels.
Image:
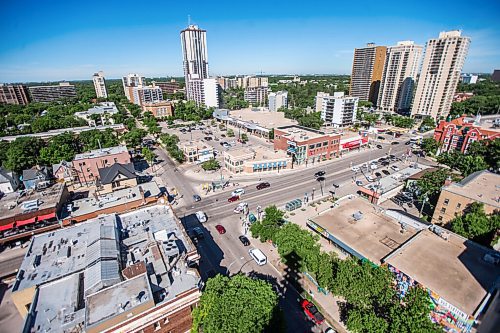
[
  {"x": 312, "y": 312},
  {"x": 263, "y": 185},
  {"x": 233, "y": 198},
  {"x": 220, "y": 229}
]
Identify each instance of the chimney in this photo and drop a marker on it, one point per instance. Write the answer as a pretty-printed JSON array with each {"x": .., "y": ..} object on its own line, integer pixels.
[{"x": 448, "y": 181}]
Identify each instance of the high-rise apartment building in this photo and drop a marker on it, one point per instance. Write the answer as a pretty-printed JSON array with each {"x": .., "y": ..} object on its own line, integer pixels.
[
  {"x": 441, "y": 68},
  {"x": 257, "y": 96},
  {"x": 100, "y": 85},
  {"x": 130, "y": 81},
  {"x": 14, "y": 94},
  {"x": 145, "y": 94},
  {"x": 199, "y": 87},
  {"x": 168, "y": 87},
  {"x": 367, "y": 67},
  {"x": 399, "y": 77},
  {"x": 52, "y": 93},
  {"x": 278, "y": 100},
  {"x": 337, "y": 110},
  {"x": 252, "y": 81}
]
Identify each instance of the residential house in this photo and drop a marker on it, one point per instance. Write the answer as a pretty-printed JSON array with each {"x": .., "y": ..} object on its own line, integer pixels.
[
  {"x": 36, "y": 178},
  {"x": 8, "y": 181},
  {"x": 63, "y": 172},
  {"x": 117, "y": 176}
]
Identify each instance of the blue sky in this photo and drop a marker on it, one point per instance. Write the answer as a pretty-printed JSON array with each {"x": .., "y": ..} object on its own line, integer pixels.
[{"x": 66, "y": 40}]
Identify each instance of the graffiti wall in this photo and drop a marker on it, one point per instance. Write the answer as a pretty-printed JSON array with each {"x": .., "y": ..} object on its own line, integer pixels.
[{"x": 452, "y": 319}]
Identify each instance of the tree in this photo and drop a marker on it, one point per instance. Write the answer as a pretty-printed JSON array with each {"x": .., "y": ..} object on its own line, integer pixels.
[
  {"x": 230, "y": 133},
  {"x": 134, "y": 137},
  {"x": 365, "y": 321},
  {"x": 23, "y": 153},
  {"x": 311, "y": 120},
  {"x": 429, "y": 186},
  {"x": 148, "y": 155},
  {"x": 211, "y": 164},
  {"x": 60, "y": 147},
  {"x": 428, "y": 123},
  {"x": 267, "y": 229},
  {"x": 244, "y": 137},
  {"x": 236, "y": 304},
  {"x": 95, "y": 139},
  {"x": 430, "y": 145},
  {"x": 371, "y": 118},
  {"x": 475, "y": 224},
  {"x": 489, "y": 150}
]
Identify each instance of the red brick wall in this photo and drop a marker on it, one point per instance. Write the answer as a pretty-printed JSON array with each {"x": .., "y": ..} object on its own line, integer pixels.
[{"x": 178, "y": 322}]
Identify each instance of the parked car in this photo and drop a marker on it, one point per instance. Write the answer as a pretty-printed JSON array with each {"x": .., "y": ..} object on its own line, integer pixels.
[
  {"x": 379, "y": 146},
  {"x": 208, "y": 138},
  {"x": 238, "y": 192},
  {"x": 407, "y": 143},
  {"x": 244, "y": 240},
  {"x": 385, "y": 172},
  {"x": 355, "y": 169},
  {"x": 241, "y": 206},
  {"x": 378, "y": 174},
  {"x": 395, "y": 168},
  {"x": 223, "y": 135},
  {"x": 196, "y": 198},
  {"x": 370, "y": 178},
  {"x": 312, "y": 312},
  {"x": 220, "y": 229},
  {"x": 263, "y": 185},
  {"x": 385, "y": 163},
  {"x": 330, "y": 330},
  {"x": 320, "y": 179},
  {"x": 373, "y": 166},
  {"x": 395, "y": 143},
  {"x": 380, "y": 137},
  {"x": 202, "y": 218},
  {"x": 319, "y": 174},
  {"x": 233, "y": 199},
  {"x": 359, "y": 183}
]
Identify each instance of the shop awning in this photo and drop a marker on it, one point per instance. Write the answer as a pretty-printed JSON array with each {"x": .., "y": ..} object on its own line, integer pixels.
[
  {"x": 354, "y": 143},
  {"x": 369, "y": 192},
  {"x": 6, "y": 227},
  {"x": 46, "y": 216},
  {"x": 25, "y": 222}
]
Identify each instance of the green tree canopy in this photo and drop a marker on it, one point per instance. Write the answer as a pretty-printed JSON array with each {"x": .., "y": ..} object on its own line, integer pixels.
[
  {"x": 60, "y": 147},
  {"x": 148, "y": 155},
  {"x": 475, "y": 224},
  {"x": 267, "y": 229},
  {"x": 211, "y": 164},
  {"x": 92, "y": 139},
  {"x": 23, "y": 153},
  {"x": 134, "y": 137},
  {"x": 430, "y": 145},
  {"x": 236, "y": 304}
]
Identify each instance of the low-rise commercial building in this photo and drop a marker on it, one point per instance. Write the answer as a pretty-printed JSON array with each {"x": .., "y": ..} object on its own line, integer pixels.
[
  {"x": 197, "y": 152},
  {"x": 255, "y": 159},
  {"x": 459, "y": 133},
  {"x": 278, "y": 100},
  {"x": 87, "y": 165},
  {"x": 337, "y": 110},
  {"x": 52, "y": 93},
  {"x": 481, "y": 187},
  {"x": 306, "y": 145},
  {"x": 159, "y": 109},
  {"x": 126, "y": 273},
  {"x": 14, "y": 94},
  {"x": 101, "y": 114}
]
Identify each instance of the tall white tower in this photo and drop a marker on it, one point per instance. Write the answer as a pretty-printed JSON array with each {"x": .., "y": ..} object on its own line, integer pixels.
[
  {"x": 100, "y": 85},
  {"x": 443, "y": 62}
]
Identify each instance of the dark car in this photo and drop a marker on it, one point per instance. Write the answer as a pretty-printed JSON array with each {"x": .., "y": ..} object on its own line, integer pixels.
[
  {"x": 244, "y": 240},
  {"x": 208, "y": 138},
  {"x": 335, "y": 185},
  {"x": 395, "y": 143},
  {"x": 385, "y": 163},
  {"x": 378, "y": 174},
  {"x": 312, "y": 312},
  {"x": 320, "y": 179},
  {"x": 263, "y": 185},
  {"x": 233, "y": 198},
  {"x": 385, "y": 172},
  {"x": 407, "y": 143},
  {"x": 222, "y": 143},
  {"x": 379, "y": 146},
  {"x": 319, "y": 174},
  {"x": 220, "y": 229},
  {"x": 223, "y": 135},
  {"x": 380, "y": 137},
  {"x": 196, "y": 198}
]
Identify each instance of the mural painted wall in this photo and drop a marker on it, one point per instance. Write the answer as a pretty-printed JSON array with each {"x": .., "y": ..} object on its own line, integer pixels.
[{"x": 452, "y": 319}]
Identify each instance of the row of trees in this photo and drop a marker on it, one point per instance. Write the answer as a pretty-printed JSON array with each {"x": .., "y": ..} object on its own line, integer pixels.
[
  {"x": 371, "y": 304},
  {"x": 486, "y": 98},
  {"x": 26, "y": 152},
  {"x": 311, "y": 119},
  {"x": 170, "y": 141}
]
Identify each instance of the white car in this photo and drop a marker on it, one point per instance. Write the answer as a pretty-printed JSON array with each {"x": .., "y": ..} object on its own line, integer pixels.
[
  {"x": 395, "y": 168},
  {"x": 237, "y": 192},
  {"x": 201, "y": 216},
  {"x": 373, "y": 166},
  {"x": 370, "y": 178},
  {"x": 241, "y": 206},
  {"x": 355, "y": 169},
  {"x": 359, "y": 183}
]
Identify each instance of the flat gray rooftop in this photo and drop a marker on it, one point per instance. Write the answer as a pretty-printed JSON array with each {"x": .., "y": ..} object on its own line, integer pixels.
[
  {"x": 122, "y": 297},
  {"x": 48, "y": 198},
  {"x": 120, "y": 197},
  {"x": 482, "y": 186},
  {"x": 56, "y": 313},
  {"x": 101, "y": 152},
  {"x": 453, "y": 268},
  {"x": 373, "y": 236},
  {"x": 395, "y": 180},
  {"x": 56, "y": 254}
]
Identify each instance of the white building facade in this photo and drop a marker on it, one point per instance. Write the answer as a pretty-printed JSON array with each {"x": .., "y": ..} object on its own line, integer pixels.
[
  {"x": 100, "y": 85},
  {"x": 443, "y": 62},
  {"x": 130, "y": 81},
  {"x": 399, "y": 77},
  {"x": 337, "y": 110},
  {"x": 278, "y": 100}
]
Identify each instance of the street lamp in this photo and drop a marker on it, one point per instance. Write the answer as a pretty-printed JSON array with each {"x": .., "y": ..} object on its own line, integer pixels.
[
  {"x": 313, "y": 194},
  {"x": 235, "y": 260}
]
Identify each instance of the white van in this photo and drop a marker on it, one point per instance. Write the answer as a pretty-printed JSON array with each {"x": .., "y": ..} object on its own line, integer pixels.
[
  {"x": 259, "y": 257},
  {"x": 201, "y": 216}
]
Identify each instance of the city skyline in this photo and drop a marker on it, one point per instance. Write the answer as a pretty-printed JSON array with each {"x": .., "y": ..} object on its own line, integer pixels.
[{"x": 242, "y": 40}]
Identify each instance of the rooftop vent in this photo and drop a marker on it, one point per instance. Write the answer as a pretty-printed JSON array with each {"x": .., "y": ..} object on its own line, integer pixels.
[{"x": 357, "y": 216}]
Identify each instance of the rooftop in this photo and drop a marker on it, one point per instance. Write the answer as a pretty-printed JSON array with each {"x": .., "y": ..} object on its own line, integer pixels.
[
  {"x": 109, "y": 174},
  {"x": 453, "y": 268},
  {"x": 372, "y": 234},
  {"x": 197, "y": 144},
  {"x": 481, "y": 186},
  {"x": 104, "y": 107},
  {"x": 78, "y": 269},
  {"x": 104, "y": 202},
  {"x": 101, "y": 152},
  {"x": 75, "y": 130},
  {"x": 389, "y": 183},
  {"x": 265, "y": 119},
  {"x": 15, "y": 204},
  {"x": 256, "y": 153},
  {"x": 299, "y": 133}
]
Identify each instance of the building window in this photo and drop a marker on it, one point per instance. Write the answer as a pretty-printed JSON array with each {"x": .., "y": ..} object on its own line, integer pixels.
[
  {"x": 165, "y": 321},
  {"x": 325, "y": 143},
  {"x": 446, "y": 201},
  {"x": 311, "y": 146},
  {"x": 443, "y": 210},
  {"x": 459, "y": 205},
  {"x": 440, "y": 218},
  {"x": 157, "y": 326},
  {"x": 318, "y": 145}
]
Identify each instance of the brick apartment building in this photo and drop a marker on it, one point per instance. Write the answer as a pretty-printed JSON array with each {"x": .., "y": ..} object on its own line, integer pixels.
[
  {"x": 14, "y": 94},
  {"x": 459, "y": 133},
  {"x": 87, "y": 165},
  {"x": 306, "y": 145}
]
